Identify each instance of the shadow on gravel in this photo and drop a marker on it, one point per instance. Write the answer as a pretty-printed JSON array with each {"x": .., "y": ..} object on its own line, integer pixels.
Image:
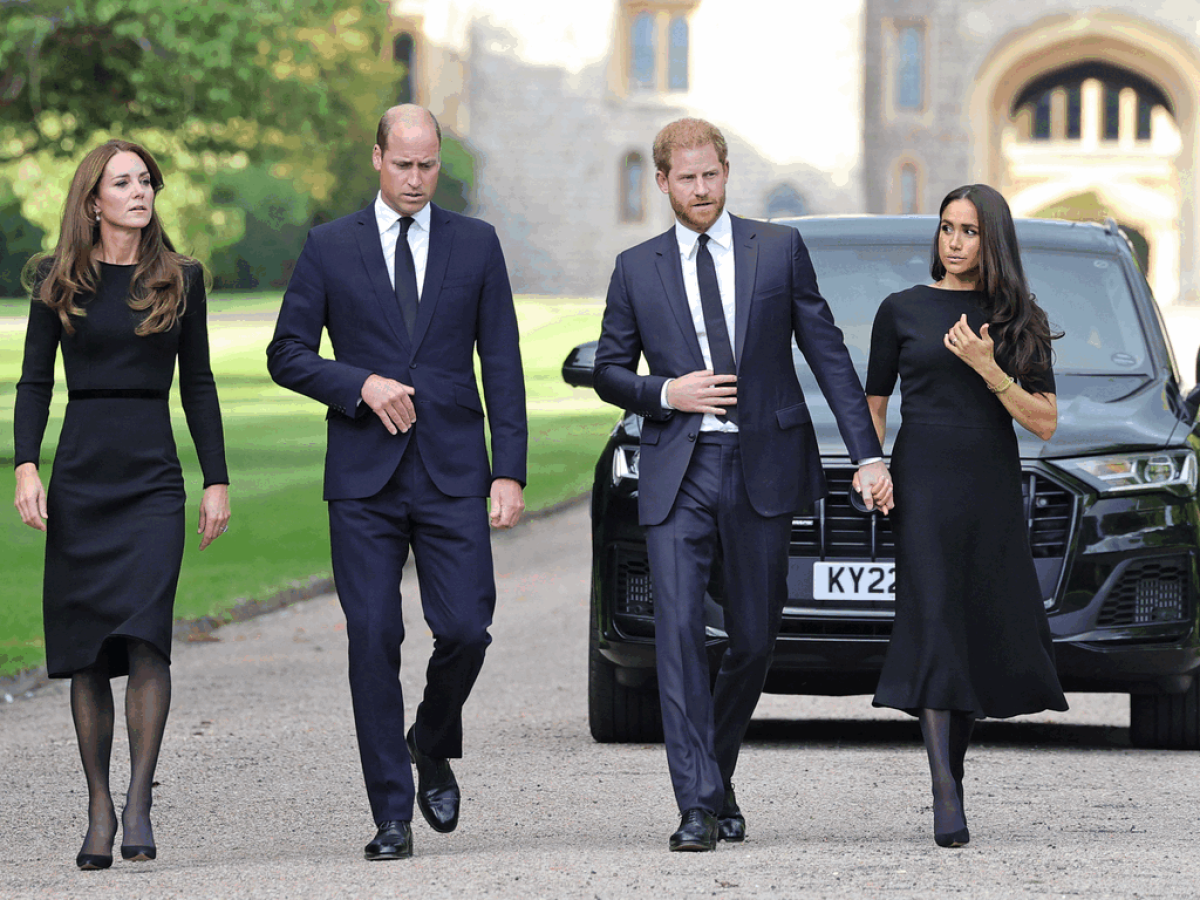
[{"x": 840, "y": 732}]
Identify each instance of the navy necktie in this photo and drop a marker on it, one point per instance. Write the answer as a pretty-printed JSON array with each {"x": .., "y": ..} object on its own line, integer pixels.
[
  {"x": 714, "y": 318},
  {"x": 406, "y": 278}
]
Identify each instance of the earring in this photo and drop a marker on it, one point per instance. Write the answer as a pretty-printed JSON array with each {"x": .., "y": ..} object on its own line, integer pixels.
[{"x": 97, "y": 217}]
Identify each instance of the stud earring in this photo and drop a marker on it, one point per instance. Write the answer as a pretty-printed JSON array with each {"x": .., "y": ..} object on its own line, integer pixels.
[{"x": 97, "y": 218}]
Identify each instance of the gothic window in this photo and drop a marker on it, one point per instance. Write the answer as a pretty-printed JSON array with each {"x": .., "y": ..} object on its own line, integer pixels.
[
  {"x": 677, "y": 55},
  {"x": 910, "y": 67},
  {"x": 633, "y": 187},
  {"x": 910, "y": 201},
  {"x": 403, "y": 54},
  {"x": 643, "y": 41}
]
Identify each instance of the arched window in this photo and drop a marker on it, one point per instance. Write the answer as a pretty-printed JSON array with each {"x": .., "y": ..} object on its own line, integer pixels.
[
  {"x": 910, "y": 189},
  {"x": 403, "y": 53},
  {"x": 910, "y": 67},
  {"x": 633, "y": 187},
  {"x": 677, "y": 56},
  {"x": 1120, "y": 103},
  {"x": 783, "y": 201},
  {"x": 644, "y": 41}
]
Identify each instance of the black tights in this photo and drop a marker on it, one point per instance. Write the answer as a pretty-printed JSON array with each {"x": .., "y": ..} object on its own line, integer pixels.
[
  {"x": 947, "y": 734},
  {"x": 147, "y": 701}
]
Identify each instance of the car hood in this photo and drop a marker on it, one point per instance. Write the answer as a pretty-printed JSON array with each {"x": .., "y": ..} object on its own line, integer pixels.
[{"x": 1096, "y": 414}]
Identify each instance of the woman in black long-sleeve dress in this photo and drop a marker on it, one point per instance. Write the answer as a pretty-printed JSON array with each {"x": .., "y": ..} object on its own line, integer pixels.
[
  {"x": 972, "y": 352},
  {"x": 123, "y": 307}
]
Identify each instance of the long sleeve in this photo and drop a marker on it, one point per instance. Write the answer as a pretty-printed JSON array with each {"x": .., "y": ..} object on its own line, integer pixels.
[
  {"x": 197, "y": 388},
  {"x": 36, "y": 386}
]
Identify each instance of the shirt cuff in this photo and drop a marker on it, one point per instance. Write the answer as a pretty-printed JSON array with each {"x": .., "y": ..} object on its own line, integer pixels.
[
  {"x": 663, "y": 397},
  {"x": 869, "y": 460}
]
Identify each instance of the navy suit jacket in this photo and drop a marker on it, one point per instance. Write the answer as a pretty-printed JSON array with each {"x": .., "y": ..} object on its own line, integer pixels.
[
  {"x": 341, "y": 284},
  {"x": 776, "y": 298}
]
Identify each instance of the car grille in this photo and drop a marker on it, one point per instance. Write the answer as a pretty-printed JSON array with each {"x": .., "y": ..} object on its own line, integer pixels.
[
  {"x": 635, "y": 596},
  {"x": 835, "y": 530},
  {"x": 1149, "y": 592}
]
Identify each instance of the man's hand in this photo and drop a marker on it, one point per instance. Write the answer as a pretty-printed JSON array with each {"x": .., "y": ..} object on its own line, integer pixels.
[
  {"x": 874, "y": 483},
  {"x": 391, "y": 401},
  {"x": 507, "y": 503},
  {"x": 702, "y": 392}
]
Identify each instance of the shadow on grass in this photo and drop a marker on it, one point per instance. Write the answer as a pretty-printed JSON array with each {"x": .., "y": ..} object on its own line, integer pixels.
[{"x": 992, "y": 733}]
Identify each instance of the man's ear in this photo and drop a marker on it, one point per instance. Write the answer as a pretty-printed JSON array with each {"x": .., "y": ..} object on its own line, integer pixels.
[
  {"x": 377, "y": 158},
  {"x": 662, "y": 181}
]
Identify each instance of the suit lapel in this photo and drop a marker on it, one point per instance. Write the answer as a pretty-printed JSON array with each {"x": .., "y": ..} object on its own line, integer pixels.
[
  {"x": 745, "y": 268},
  {"x": 372, "y": 257},
  {"x": 670, "y": 270},
  {"x": 441, "y": 242}
]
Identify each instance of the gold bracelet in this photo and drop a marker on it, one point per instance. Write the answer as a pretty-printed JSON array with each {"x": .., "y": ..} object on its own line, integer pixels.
[{"x": 1003, "y": 386}]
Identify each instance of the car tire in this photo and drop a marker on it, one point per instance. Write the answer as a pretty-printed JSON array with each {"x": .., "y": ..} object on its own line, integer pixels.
[
  {"x": 618, "y": 714},
  {"x": 1166, "y": 721}
]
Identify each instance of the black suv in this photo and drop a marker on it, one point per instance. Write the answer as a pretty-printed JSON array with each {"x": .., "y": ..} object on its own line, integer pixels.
[{"x": 1110, "y": 500}]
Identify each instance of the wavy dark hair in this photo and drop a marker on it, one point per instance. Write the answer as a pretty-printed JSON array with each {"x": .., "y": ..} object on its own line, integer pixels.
[
  {"x": 59, "y": 278},
  {"x": 1019, "y": 325}
]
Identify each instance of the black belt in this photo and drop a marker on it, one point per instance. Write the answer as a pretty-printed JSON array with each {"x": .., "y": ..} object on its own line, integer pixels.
[{"x": 117, "y": 394}]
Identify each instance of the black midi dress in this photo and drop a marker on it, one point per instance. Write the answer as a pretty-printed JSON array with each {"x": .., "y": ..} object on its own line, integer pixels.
[
  {"x": 115, "y": 499},
  {"x": 970, "y": 632}
]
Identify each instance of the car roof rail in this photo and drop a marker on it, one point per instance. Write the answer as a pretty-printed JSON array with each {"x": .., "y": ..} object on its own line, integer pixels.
[{"x": 1111, "y": 226}]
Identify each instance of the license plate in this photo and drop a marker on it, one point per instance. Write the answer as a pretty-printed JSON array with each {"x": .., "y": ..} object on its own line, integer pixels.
[{"x": 854, "y": 581}]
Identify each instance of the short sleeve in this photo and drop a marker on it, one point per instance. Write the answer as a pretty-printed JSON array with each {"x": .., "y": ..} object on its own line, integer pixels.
[
  {"x": 884, "y": 365},
  {"x": 1040, "y": 382}
]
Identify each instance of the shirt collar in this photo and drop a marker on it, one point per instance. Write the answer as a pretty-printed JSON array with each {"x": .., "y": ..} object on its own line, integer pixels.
[
  {"x": 386, "y": 217},
  {"x": 721, "y": 234}
]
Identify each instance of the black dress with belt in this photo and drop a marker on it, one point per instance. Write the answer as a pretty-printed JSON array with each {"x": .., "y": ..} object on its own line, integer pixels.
[
  {"x": 970, "y": 632},
  {"x": 115, "y": 500}
]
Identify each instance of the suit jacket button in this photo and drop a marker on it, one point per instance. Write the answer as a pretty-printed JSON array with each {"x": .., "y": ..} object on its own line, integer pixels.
[
  {"x": 692, "y": 437},
  {"x": 412, "y": 365}
]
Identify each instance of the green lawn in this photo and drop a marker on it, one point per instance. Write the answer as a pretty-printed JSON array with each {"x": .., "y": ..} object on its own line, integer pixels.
[{"x": 275, "y": 442}]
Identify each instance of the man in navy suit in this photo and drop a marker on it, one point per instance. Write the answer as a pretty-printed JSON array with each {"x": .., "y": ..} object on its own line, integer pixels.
[
  {"x": 728, "y": 452},
  {"x": 409, "y": 293}
]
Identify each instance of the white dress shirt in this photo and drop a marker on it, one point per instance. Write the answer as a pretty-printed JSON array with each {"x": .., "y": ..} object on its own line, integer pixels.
[
  {"x": 720, "y": 245},
  {"x": 418, "y": 239}
]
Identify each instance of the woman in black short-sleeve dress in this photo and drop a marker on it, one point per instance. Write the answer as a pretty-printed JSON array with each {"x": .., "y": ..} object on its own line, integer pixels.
[
  {"x": 972, "y": 353},
  {"x": 124, "y": 308}
]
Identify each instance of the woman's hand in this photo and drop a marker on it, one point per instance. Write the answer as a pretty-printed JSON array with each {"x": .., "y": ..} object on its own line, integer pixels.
[
  {"x": 976, "y": 350},
  {"x": 214, "y": 513},
  {"x": 31, "y": 497}
]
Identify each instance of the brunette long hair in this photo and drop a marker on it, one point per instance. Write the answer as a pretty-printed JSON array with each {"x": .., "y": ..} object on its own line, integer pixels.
[
  {"x": 1018, "y": 324},
  {"x": 69, "y": 272}
]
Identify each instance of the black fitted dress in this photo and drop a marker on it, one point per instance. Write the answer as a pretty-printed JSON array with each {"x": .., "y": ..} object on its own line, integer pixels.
[
  {"x": 115, "y": 498},
  {"x": 970, "y": 632}
]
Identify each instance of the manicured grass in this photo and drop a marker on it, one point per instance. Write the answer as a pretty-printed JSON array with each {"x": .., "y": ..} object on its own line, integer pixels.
[{"x": 275, "y": 443}]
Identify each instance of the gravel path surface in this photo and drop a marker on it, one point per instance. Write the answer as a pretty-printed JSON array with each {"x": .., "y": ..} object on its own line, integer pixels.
[{"x": 260, "y": 794}]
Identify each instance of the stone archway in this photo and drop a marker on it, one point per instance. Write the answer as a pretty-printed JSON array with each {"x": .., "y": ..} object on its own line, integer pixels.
[{"x": 1152, "y": 189}]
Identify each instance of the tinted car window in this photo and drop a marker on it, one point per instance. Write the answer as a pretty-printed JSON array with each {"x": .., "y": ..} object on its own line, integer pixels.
[{"x": 1085, "y": 295}]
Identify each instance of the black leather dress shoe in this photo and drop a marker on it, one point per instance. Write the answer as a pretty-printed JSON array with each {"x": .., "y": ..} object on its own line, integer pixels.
[
  {"x": 697, "y": 831},
  {"x": 438, "y": 796},
  {"x": 392, "y": 841},
  {"x": 731, "y": 824}
]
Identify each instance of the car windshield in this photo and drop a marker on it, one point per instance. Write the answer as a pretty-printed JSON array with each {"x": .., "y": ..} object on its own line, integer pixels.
[{"x": 1085, "y": 295}]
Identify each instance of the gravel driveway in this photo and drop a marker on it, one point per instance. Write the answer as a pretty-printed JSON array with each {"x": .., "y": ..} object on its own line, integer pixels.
[{"x": 260, "y": 793}]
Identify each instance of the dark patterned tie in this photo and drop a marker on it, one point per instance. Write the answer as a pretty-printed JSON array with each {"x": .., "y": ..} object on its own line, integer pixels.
[
  {"x": 714, "y": 318},
  {"x": 406, "y": 278}
]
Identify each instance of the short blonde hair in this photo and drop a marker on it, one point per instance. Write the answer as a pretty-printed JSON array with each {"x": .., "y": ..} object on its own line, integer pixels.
[{"x": 687, "y": 134}]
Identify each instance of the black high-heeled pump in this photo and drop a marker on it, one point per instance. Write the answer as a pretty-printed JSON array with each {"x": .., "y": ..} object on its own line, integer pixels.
[
  {"x": 138, "y": 852},
  {"x": 91, "y": 861},
  {"x": 958, "y": 838}
]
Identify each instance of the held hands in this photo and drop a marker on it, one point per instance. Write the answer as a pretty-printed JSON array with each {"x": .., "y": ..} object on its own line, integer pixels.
[
  {"x": 507, "y": 503},
  {"x": 214, "y": 513},
  {"x": 391, "y": 401},
  {"x": 874, "y": 483},
  {"x": 975, "y": 350},
  {"x": 31, "y": 497},
  {"x": 702, "y": 392}
]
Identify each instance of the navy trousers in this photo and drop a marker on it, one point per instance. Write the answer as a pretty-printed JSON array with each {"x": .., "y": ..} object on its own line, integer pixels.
[
  {"x": 703, "y": 728},
  {"x": 370, "y": 539}
]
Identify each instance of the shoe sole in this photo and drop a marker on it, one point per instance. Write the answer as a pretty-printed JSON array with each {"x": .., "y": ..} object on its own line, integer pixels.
[
  {"x": 693, "y": 848},
  {"x": 386, "y": 857}
]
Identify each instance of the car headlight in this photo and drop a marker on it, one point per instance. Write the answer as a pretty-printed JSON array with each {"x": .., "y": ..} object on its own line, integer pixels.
[
  {"x": 625, "y": 465},
  {"x": 1173, "y": 470}
]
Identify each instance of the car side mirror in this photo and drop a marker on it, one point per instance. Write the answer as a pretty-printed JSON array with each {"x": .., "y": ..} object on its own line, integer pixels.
[{"x": 577, "y": 369}]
